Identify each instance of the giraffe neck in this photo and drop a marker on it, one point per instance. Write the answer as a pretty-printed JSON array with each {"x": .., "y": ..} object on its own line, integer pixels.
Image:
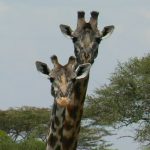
[{"x": 65, "y": 121}]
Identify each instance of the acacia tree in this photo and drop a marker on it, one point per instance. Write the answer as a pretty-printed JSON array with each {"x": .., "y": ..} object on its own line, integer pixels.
[
  {"x": 126, "y": 99},
  {"x": 24, "y": 121},
  {"x": 29, "y": 123}
]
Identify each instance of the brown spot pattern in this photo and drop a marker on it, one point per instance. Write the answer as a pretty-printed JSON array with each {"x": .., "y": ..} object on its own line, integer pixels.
[
  {"x": 67, "y": 143},
  {"x": 52, "y": 140},
  {"x": 57, "y": 121},
  {"x": 67, "y": 126}
]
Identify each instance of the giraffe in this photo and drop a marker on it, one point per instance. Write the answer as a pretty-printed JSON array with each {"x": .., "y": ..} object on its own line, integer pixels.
[
  {"x": 86, "y": 37},
  {"x": 66, "y": 111}
]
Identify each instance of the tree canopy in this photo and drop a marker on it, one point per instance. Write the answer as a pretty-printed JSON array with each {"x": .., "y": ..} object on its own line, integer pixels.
[
  {"x": 126, "y": 99},
  {"x": 26, "y": 124},
  {"x": 122, "y": 102},
  {"x": 21, "y": 122}
]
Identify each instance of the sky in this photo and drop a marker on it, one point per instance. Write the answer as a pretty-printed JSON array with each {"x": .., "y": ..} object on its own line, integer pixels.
[{"x": 29, "y": 31}]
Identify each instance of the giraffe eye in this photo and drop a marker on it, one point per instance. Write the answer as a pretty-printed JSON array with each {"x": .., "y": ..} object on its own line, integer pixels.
[
  {"x": 73, "y": 79},
  {"x": 98, "y": 40},
  {"x": 74, "y": 39},
  {"x": 51, "y": 79}
]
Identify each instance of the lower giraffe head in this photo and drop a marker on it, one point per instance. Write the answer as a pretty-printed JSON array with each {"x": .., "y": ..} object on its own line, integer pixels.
[{"x": 63, "y": 78}]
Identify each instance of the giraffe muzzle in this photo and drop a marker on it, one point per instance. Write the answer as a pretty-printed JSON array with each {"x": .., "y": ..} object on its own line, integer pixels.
[{"x": 63, "y": 101}]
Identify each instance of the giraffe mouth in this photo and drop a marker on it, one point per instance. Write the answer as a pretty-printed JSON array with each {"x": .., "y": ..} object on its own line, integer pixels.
[{"x": 63, "y": 101}]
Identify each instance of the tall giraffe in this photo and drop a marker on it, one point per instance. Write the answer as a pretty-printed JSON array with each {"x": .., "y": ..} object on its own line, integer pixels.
[
  {"x": 86, "y": 37},
  {"x": 66, "y": 111}
]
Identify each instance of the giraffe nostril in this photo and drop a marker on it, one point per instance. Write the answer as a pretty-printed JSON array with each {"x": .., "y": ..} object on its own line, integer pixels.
[
  {"x": 63, "y": 94},
  {"x": 87, "y": 55},
  {"x": 84, "y": 54}
]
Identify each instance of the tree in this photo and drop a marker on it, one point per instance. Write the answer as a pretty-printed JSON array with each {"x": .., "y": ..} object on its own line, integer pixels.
[
  {"x": 126, "y": 99},
  {"x": 27, "y": 124},
  {"x": 22, "y": 122},
  {"x": 92, "y": 138},
  {"x": 6, "y": 143}
]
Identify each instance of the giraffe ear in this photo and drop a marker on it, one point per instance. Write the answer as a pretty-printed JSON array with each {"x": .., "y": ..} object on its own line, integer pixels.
[
  {"x": 83, "y": 70},
  {"x": 66, "y": 30},
  {"x": 107, "y": 31},
  {"x": 42, "y": 67}
]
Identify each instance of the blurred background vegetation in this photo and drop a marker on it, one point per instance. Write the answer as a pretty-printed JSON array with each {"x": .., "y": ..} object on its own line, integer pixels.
[{"x": 122, "y": 102}]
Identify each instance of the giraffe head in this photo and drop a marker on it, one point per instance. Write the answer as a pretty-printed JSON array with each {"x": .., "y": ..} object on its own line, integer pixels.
[
  {"x": 63, "y": 77},
  {"x": 86, "y": 38}
]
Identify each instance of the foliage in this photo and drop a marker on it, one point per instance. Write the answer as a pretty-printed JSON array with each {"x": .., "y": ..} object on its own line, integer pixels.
[
  {"x": 147, "y": 148},
  {"x": 126, "y": 99},
  {"x": 4, "y": 137},
  {"x": 6, "y": 143},
  {"x": 91, "y": 137},
  {"x": 21, "y": 122},
  {"x": 27, "y": 124},
  {"x": 31, "y": 144}
]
